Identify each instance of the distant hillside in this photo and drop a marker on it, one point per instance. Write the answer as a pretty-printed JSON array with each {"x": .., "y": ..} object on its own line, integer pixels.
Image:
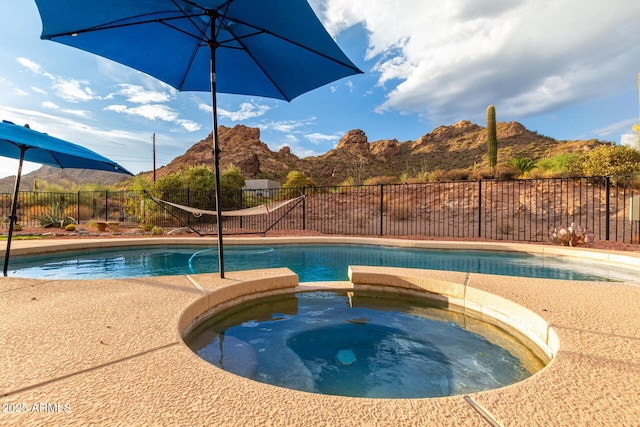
[
  {"x": 61, "y": 177},
  {"x": 456, "y": 147}
]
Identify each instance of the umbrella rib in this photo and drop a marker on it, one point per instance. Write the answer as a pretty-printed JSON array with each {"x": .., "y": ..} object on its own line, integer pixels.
[
  {"x": 288, "y": 40},
  {"x": 118, "y": 24}
]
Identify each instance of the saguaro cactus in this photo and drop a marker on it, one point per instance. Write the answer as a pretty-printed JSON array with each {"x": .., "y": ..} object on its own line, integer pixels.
[{"x": 492, "y": 139}]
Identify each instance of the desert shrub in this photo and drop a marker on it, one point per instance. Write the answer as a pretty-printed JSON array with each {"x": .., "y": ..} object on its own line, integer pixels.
[
  {"x": 479, "y": 173},
  {"x": 201, "y": 177},
  {"x": 348, "y": 182},
  {"x": 437, "y": 175},
  {"x": 457, "y": 175},
  {"x": 168, "y": 182},
  {"x": 377, "y": 180},
  {"x": 232, "y": 178},
  {"x": 146, "y": 227},
  {"x": 607, "y": 160},
  {"x": 296, "y": 179},
  {"x": 505, "y": 172},
  {"x": 405, "y": 178},
  {"x": 555, "y": 166}
]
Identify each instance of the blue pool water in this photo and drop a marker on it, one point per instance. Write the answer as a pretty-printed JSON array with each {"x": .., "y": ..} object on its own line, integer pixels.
[
  {"x": 310, "y": 262},
  {"x": 361, "y": 345}
]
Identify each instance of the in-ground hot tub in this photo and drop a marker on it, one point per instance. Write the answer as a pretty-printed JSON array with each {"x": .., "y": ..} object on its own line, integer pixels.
[{"x": 381, "y": 337}]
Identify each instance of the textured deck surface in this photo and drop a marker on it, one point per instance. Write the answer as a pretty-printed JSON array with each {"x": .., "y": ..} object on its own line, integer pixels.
[{"x": 109, "y": 352}]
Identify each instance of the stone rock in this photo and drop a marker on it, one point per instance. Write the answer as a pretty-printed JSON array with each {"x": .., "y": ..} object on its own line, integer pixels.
[
  {"x": 250, "y": 167},
  {"x": 354, "y": 141},
  {"x": 386, "y": 148},
  {"x": 180, "y": 231}
]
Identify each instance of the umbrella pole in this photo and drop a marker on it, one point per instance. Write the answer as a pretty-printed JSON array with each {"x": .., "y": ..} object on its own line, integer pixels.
[
  {"x": 216, "y": 151},
  {"x": 14, "y": 206}
]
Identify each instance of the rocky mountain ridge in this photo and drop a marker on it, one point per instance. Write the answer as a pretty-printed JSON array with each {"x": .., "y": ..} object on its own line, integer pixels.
[{"x": 461, "y": 146}]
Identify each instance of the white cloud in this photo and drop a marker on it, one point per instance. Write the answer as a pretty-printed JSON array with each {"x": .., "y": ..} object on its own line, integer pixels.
[
  {"x": 139, "y": 95},
  {"x": 34, "y": 67},
  {"x": 38, "y": 90},
  {"x": 189, "y": 126},
  {"x": 296, "y": 148},
  {"x": 631, "y": 140},
  {"x": 74, "y": 90},
  {"x": 50, "y": 105},
  {"x": 615, "y": 129},
  {"x": 110, "y": 143},
  {"x": 317, "y": 138},
  {"x": 287, "y": 126},
  {"x": 449, "y": 60},
  {"x": 291, "y": 139},
  {"x": 156, "y": 112},
  {"x": 246, "y": 111},
  {"x": 70, "y": 90}
]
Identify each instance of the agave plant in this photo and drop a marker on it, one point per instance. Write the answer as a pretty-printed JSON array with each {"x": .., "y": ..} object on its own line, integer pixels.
[{"x": 56, "y": 218}]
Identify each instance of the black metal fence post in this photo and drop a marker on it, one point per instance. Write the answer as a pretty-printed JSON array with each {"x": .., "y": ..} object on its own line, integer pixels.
[
  {"x": 304, "y": 209},
  {"x": 607, "y": 215},
  {"x": 480, "y": 208},
  {"x": 381, "y": 209}
]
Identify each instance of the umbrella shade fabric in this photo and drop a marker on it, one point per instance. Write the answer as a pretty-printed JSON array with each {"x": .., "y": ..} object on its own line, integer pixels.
[
  {"x": 41, "y": 148},
  {"x": 276, "y": 48},
  {"x": 22, "y": 143}
]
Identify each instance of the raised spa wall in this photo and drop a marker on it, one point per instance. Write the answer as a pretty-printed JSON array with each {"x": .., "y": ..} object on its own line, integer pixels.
[{"x": 450, "y": 289}]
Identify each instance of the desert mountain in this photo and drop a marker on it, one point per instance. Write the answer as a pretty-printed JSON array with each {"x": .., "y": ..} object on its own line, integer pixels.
[
  {"x": 460, "y": 146},
  {"x": 62, "y": 177}
]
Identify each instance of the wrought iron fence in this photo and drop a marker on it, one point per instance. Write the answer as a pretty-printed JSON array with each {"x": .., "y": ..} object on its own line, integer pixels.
[{"x": 521, "y": 210}]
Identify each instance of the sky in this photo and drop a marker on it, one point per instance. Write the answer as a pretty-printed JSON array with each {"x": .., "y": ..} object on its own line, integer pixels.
[{"x": 567, "y": 69}]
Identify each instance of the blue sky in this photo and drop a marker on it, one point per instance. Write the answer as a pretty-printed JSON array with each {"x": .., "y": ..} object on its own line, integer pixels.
[{"x": 566, "y": 68}]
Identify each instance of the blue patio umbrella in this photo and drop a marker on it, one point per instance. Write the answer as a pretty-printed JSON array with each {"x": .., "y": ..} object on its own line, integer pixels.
[
  {"x": 275, "y": 48},
  {"x": 22, "y": 143}
]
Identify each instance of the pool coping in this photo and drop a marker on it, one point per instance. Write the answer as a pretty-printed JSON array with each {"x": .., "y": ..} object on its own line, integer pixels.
[
  {"x": 111, "y": 349},
  {"x": 623, "y": 258}
]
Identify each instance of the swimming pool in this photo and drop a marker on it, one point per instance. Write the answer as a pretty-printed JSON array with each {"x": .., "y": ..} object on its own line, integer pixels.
[{"x": 312, "y": 262}]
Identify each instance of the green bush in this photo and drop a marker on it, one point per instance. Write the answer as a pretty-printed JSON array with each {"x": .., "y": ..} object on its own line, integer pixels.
[
  {"x": 556, "y": 166},
  {"x": 296, "y": 179},
  {"x": 146, "y": 227},
  {"x": 607, "y": 160}
]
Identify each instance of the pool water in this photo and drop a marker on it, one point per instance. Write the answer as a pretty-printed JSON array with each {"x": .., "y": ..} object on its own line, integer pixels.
[
  {"x": 362, "y": 344},
  {"x": 310, "y": 262}
]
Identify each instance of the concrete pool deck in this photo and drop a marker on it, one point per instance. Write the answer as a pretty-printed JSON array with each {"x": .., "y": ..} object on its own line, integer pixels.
[{"x": 109, "y": 352}]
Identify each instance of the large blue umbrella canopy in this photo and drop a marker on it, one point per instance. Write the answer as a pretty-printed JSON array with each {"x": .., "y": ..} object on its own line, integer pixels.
[
  {"x": 23, "y": 143},
  {"x": 275, "y": 48}
]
